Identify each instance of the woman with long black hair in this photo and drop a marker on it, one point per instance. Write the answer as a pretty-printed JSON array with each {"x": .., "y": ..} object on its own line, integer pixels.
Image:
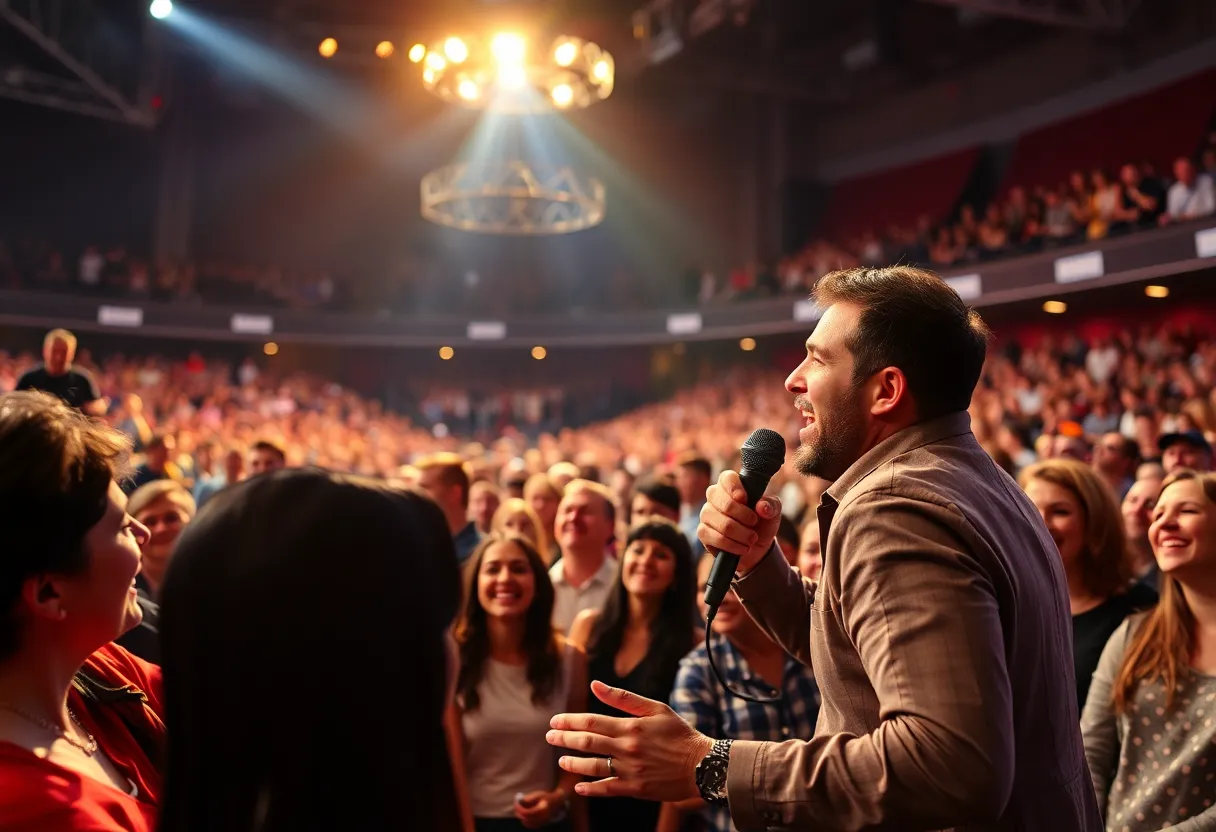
[
  {"x": 516, "y": 672},
  {"x": 307, "y": 659},
  {"x": 637, "y": 641}
]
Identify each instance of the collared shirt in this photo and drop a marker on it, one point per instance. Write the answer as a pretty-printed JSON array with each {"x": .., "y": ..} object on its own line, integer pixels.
[
  {"x": 690, "y": 519},
  {"x": 569, "y": 600},
  {"x": 700, "y": 700},
  {"x": 941, "y": 638},
  {"x": 466, "y": 541}
]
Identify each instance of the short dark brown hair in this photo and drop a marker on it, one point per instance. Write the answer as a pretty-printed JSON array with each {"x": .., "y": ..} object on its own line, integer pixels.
[
  {"x": 452, "y": 471},
  {"x": 56, "y": 466},
  {"x": 270, "y": 448},
  {"x": 697, "y": 463},
  {"x": 913, "y": 320}
]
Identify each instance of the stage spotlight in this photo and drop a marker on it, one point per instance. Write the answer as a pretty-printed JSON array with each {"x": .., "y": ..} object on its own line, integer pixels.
[
  {"x": 601, "y": 71},
  {"x": 468, "y": 90},
  {"x": 565, "y": 53},
  {"x": 1055, "y": 307},
  {"x": 446, "y": 353},
  {"x": 456, "y": 50},
  {"x": 328, "y": 48},
  {"x": 512, "y": 77},
  {"x": 508, "y": 50},
  {"x": 1157, "y": 291},
  {"x": 539, "y": 353},
  {"x": 417, "y": 53},
  {"x": 385, "y": 49},
  {"x": 747, "y": 344},
  {"x": 563, "y": 95},
  {"x": 436, "y": 62},
  {"x": 428, "y": 75},
  {"x": 270, "y": 348},
  {"x": 160, "y": 9}
]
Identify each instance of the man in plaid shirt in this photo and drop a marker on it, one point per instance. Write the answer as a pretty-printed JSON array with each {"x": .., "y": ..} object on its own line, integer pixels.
[{"x": 750, "y": 663}]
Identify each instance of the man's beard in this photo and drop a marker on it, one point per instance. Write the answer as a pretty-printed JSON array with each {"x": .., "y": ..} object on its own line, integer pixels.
[{"x": 838, "y": 444}]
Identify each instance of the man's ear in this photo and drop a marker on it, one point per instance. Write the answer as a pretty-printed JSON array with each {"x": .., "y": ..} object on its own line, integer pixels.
[
  {"x": 890, "y": 391},
  {"x": 43, "y": 597}
]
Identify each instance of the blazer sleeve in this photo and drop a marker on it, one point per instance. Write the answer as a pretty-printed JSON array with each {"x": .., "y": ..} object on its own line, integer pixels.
[
  {"x": 779, "y": 599},
  {"x": 1099, "y": 722},
  {"x": 924, "y": 618}
]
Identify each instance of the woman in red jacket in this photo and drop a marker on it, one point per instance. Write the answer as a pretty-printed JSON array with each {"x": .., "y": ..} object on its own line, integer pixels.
[{"x": 80, "y": 718}]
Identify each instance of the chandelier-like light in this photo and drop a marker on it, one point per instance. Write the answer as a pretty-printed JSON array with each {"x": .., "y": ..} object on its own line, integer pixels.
[
  {"x": 512, "y": 198},
  {"x": 508, "y": 74}
]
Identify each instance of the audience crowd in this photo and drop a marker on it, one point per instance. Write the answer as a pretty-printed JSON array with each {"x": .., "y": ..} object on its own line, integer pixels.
[
  {"x": 1027, "y": 219},
  {"x": 580, "y": 563}
]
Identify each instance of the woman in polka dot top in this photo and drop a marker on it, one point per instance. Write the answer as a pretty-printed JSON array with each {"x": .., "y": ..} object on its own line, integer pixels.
[{"x": 1150, "y": 718}]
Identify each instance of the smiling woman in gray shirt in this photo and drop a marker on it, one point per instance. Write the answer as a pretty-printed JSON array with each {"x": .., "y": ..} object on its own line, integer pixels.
[{"x": 1150, "y": 720}]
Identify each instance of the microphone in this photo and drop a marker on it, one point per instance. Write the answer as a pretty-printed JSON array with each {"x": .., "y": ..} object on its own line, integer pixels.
[{"x": 762, "y": 454}]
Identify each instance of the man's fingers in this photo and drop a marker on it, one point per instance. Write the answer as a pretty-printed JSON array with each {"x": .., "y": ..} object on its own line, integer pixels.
[
  {"x": 587, "y": 766},
  {"x": 611, "y": 787},
  {"x": 729, "y": 529},
  {"x": 627, "y": 701},
  {"x": 608, "y": 726},
  {"x": 715, "y": 542},
  {"x": 730, "y": 501},
  {"x": 582, "y": 741}
]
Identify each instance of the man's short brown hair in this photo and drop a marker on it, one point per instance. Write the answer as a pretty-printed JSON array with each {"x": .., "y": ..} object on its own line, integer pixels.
[
  {"x": 452, "y": 471},
  {"x": 696, "y": 462},
  {"x": 913, "y": 320}
]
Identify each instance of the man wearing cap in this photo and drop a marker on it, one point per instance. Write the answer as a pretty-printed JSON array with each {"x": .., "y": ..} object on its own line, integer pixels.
[{"x": 1188, "y": 449}]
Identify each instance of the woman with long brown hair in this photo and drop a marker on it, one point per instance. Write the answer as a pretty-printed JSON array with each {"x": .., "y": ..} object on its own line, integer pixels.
[
  {"x": 1084, "y": 521},
  {"x": 1150, "y": 721},
  {"x": 516, "y": 673}
]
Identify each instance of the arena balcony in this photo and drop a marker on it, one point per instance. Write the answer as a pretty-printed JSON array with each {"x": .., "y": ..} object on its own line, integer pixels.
[{"x": 1050, "y": 276}]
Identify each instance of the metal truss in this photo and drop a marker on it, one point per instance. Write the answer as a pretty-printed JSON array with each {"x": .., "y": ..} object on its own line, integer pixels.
[
  {"x": 1080, "y": 14},
  {"x": 97, "y": 81}
]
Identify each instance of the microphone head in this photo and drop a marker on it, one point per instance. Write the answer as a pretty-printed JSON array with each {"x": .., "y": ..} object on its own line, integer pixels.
[{"x": 763, "y": 452}]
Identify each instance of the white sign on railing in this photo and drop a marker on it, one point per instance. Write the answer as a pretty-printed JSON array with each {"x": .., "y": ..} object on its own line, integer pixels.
[
  {"x": 806, "y": 310},
  {"x": 968, "y": 286},
  {"x": 252, "y": 324},
  {"x": 684, "y": 323},
  {"x": 120, "y": 316},
  {"x": 1205, "y": 242},
  {"x": 486, "y": 331},
  {"x": 1078, "y": 267}
]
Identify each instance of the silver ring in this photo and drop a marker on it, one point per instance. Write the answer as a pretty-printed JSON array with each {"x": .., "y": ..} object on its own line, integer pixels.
[{"x": 611, "y": 771}]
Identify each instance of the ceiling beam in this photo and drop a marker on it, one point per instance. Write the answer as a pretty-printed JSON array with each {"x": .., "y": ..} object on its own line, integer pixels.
[{"x": 39, "y": 22}]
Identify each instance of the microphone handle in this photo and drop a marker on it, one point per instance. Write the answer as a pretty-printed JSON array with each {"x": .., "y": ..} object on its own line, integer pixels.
[{"x": 725, "y": 564}]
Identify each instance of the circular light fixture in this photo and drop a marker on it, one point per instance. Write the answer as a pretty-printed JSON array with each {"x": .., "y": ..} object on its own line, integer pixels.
[
  {"x": 513, "y": 78},
  {"x": 508, "y": 49},
  {"x": 328, "y": 48},
  {"x": 468, "y": 90},
  {"x": 385, "y": 49},
  {"x": 747, "y": 344},
  {"x": 446, "y": 353},
  {"x": 456, "y": 50},
  {"x": 566, "y": 53},
  {"x": 1055, "y": 307},
  {"x": 270, "y": 348},
  {"x": 539, "y": 353},
  {"x": 160, "y": 9},
  {"x": 1157, "y": 291},
  {"x": 563, "y": 95}
]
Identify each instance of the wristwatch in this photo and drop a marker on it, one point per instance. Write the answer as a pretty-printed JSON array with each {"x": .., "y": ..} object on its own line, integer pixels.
[{"x": 711, "y": 773}]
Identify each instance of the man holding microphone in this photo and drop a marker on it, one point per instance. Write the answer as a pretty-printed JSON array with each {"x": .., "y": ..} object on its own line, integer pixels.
[{"x": 939, "y": 630}]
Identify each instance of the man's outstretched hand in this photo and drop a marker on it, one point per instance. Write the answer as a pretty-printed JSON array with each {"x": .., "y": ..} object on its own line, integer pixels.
[{"x": 654, "y": 754}]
